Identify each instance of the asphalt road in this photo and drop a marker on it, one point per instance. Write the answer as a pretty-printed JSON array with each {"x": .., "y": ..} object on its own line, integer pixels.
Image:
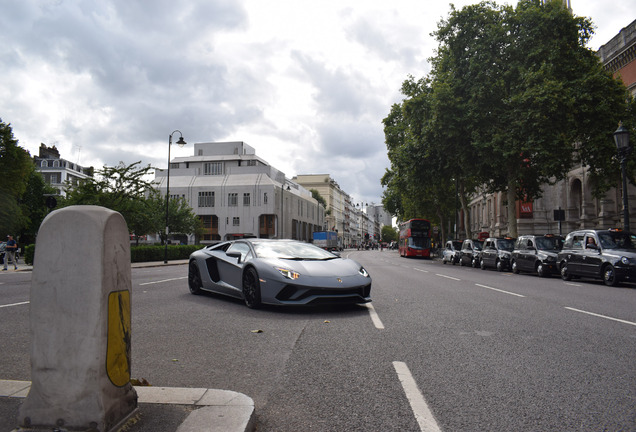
[{"x": 441, "y": 348}]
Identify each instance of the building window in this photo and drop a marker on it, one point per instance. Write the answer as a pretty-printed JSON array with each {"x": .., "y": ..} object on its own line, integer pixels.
[
  {"x": 236, "y": 221},
  {"x": 174, "y": 166},
  {"x": 265, "y": 198},
  {"x": 206, "y": 199},
  {"x": 232, "y": 200},
  {"x": 213, "y": 168},
  {"x": 246, "y": 199}
]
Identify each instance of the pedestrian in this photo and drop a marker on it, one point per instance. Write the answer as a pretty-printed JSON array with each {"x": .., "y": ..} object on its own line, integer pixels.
[{"x": 9, "y": 252}]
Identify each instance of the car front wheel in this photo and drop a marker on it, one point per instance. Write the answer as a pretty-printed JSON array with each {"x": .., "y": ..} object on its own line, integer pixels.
[
  {"x": 251, "y": 288},
  {"x": 565, "y": 275},
  {"x": 609, "y": 275},
  {"x": 194, "y": 278},
  {"x": 499, "y": 266},
  {"x": 482, "y": 264},
  {"x": 541, "y": 271},
  {"x": 515, "y": 268}
]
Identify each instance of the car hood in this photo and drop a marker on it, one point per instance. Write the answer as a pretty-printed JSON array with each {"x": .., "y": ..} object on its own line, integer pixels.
[
  {"x": 333, "y": 267},
  {"x": 629, "y": 253}
]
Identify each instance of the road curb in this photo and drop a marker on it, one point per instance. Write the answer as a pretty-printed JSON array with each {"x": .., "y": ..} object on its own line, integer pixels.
[{"x": 215, "y": 410}]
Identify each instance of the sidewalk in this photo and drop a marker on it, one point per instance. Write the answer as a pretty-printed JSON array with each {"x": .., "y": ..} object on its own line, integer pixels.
[{"x": 160, "y": 409}]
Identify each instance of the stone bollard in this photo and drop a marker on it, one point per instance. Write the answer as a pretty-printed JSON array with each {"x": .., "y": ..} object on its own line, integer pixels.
[{"x": 80, "y": 323}]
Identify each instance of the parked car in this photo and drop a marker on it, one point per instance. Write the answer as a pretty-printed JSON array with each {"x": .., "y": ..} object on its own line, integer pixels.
[
  {"x": 277, "y": 272},
  {"x": 451, "y": 252},
  {"x": 470, "y": 252},
  {"x": 609, "y": 255},
  {"x": 496, "y": 253},
  {"x": 537, "y": 253}
]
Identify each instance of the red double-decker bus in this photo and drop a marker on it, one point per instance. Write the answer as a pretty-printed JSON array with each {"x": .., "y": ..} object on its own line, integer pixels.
[{"x": 415, "y": 238}]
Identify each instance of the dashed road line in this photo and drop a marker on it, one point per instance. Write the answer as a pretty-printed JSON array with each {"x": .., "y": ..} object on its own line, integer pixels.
[
  {"x": 377, "y": 322},
  {"x": 447, "y": 277},
  {"x": 499, "y": 290},
  {"x": 164, "y": 280},
  {"x": 423, "y": 414},
  {"x": 601, "y": 316},
  {"x": 15, "y": 304},
  {"x": 420, "y": 270}
]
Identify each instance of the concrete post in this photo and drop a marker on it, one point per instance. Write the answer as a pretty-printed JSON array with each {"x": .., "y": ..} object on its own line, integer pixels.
[{"x": 80, "y": 323}]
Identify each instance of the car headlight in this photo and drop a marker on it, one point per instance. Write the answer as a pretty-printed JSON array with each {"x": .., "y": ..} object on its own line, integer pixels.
[
  {"x": 363, "y": 272},
  {"x": 550, "y": 258},
  {"x": 289, "y": 274},
  {"x": 625, "y": 260}
]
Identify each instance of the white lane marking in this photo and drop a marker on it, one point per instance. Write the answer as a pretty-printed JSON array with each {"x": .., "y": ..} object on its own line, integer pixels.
[
  {"x": 420, "y": 270},
  {"x": 419, "y": 406},
  {"x": 165, "y": 280},
  {"x": 15, "y": 304},
  {"x": 601, "y": 316},
  {"x": 572, "y": 284},
  {"x": 374, "y": 317},
  {"x": 502, "y": 291},
  {"x": 447, "y": 277}
]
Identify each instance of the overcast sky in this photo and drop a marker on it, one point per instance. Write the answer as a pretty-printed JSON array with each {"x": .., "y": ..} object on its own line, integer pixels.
[{"x": 306, "y": 83}]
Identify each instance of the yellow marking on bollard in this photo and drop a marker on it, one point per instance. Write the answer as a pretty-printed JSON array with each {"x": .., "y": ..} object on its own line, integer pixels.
[{"x": 118, "y": 346}]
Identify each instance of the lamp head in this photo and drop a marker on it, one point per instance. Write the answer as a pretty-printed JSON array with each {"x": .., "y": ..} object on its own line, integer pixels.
[{"x": 621, "y": 138}]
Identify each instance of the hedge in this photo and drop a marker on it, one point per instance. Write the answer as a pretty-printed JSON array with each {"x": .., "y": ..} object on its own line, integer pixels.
[{"x": 144, "y": 253}]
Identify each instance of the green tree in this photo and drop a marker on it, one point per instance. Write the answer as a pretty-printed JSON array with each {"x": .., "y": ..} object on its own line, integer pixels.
[
  {"x": 15, "y": 169},
  {"x": 389, "y": 234},
  {"x": 533, "y": 89},
  {"x": 33, "y": 205},
  {"x": 125, "y": 189}
]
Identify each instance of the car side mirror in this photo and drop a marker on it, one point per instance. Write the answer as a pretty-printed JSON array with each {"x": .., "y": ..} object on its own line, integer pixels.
[{"x": 236, "y": 255}]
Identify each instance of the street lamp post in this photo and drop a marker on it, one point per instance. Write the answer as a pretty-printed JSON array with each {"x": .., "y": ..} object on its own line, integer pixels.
[
  {"x": 621, "y": 138},
  {"x": 180, "y": 143}
]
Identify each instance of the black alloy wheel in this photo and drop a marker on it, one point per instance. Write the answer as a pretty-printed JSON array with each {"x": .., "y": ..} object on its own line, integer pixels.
[
  {"x": 541, "y": 271},
  {"x": 194, "y": 278},
  {"x": 609, "y": 275},
  {"x": 565, "y": 275},
  {"x": 515, "y": 267},
  {"x": 251, "y": 288}
]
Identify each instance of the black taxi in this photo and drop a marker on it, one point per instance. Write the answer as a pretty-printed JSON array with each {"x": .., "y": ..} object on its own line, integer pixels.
[
  {"x": 496, "y": 253},
  {"x": 537, "y": 253},
  {"x": 609, "y": 255}
]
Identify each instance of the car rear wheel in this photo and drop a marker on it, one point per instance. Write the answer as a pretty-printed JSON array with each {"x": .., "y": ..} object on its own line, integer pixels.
[
  {"x": 251, "y": 288},
  {"x": 482, "y": 264},
  {"x": 609, "y": 275},
  {"x": 565, "y": 275},
  {"x": 461, "y": 262},
  {"x": 194, "y": 278}
]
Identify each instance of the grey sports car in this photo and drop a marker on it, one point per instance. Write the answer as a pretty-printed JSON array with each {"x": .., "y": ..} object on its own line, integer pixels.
[{"x": 278, "y": 272}]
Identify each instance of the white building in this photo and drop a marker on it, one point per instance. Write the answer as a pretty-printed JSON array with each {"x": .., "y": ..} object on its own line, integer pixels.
[
  {"x": 59, "y": 172},
  {"x": 237, "y": 194}
]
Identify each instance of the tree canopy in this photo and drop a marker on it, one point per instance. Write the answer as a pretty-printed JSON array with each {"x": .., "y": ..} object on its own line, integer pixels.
[
  {"x": 513, "y": 100},
  {"x": 16, "y": 168}
]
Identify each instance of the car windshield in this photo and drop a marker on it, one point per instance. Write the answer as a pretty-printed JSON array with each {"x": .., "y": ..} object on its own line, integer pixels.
[
  {"x": 549, "y": 243},
  {"x": 617, "y": 240},
  {"x": 457, "y": 245},
  {"x": 478, "y": 245},
  {"x": 506, "y": 244},
  {"x": 291, "y": 250}
]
